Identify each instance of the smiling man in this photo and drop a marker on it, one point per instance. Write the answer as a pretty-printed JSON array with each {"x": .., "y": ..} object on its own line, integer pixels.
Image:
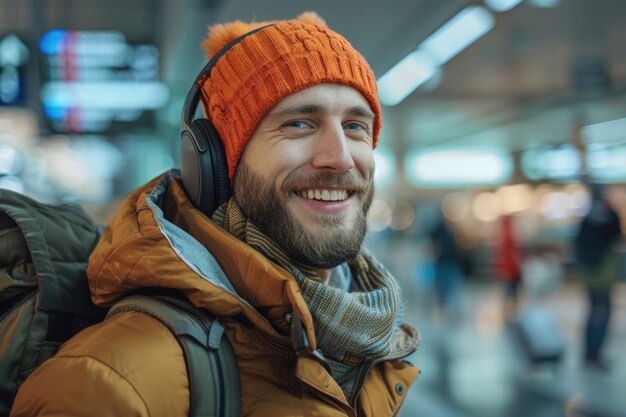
[
  {"x": 314, "y": 320},
  {"x": 305, "y": 177}
]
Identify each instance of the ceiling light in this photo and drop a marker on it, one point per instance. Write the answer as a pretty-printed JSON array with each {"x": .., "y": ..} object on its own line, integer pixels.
[
  {"x": 458, "y": 167},
  {"x": 401, "y": 80},
  {"x": 544, "y": 3},
  {"x": 606, "y": 132},
  {"x": 440, "y": 47},
  {"x": 502, "y": 5},
  {"x": 458, "y": 33}
]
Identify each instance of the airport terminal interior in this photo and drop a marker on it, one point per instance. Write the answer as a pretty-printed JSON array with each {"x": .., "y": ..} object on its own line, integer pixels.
[{"x": 504, "y": 130}]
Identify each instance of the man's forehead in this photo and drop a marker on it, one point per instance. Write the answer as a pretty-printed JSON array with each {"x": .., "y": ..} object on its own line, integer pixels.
[{"x": 324, "y": 98}]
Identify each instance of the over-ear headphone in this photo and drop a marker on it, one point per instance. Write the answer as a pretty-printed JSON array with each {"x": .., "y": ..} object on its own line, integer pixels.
[{"x": 203, "y": 166}]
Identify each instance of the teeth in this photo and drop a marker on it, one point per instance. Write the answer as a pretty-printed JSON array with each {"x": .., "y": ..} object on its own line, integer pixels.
[{"x": 324, "y": 195}]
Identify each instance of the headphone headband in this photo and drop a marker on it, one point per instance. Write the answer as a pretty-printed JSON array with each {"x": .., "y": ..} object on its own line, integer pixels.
[{"x": 193, "y": 96}]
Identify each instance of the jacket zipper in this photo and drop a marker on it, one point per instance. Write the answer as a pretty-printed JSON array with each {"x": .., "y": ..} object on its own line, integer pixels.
[
  {"x": 368, "y": 368},
  {"x": 362, "y": 377},
  {"x": 361, "y": 380}
]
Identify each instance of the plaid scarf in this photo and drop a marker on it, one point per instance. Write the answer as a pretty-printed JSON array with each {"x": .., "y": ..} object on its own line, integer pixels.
[{"x": 351, "y": 328}]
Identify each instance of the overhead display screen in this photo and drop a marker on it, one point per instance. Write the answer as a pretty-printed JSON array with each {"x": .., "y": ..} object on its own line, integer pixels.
[{"x": 98, "y": 81}]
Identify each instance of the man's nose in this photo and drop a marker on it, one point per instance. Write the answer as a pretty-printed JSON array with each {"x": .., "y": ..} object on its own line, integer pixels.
[{"x": 332, "y": 151}]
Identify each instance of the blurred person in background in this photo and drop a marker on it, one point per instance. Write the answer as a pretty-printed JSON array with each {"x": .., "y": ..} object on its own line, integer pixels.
[
  {"x": 508, "y": 264},
  {"x": 314, "y": 319},
  {"x": 598, "y": 269},
  {"x": 448, "y": 270}
]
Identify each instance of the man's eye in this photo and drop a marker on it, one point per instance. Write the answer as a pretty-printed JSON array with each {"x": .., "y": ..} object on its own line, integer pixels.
[
  {"x": 354, "y": 126},
  {"x": 297, "y": 124}
]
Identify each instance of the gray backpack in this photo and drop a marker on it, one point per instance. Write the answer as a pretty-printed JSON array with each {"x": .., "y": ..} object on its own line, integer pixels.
[{"x": 45, "y": 300}]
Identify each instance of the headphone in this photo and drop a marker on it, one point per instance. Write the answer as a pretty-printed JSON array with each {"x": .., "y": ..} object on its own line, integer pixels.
[{"x": 203, "y": 165}]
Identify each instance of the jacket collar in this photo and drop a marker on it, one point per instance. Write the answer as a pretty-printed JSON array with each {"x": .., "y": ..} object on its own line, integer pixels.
[{"x": 255, "y": 281}]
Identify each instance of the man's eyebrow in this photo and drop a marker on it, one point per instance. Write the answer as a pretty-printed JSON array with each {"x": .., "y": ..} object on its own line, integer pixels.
[
  {"x": 358, "y": 111},
  {"x": 361, "y": 111},
  {"x": 299, "y": 109}
]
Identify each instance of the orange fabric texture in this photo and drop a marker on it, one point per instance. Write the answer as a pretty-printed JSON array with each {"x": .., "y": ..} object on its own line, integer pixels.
[
  {"x": 110, "y": 370},
  {"x": 257, "y": 73}
]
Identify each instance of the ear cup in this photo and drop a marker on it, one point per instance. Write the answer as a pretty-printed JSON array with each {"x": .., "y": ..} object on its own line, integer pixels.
[
  {"x": 204, "y": 170},
  {"x": 220, "y": 188}
]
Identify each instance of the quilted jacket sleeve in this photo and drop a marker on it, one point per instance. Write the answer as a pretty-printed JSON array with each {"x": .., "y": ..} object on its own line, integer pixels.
[
  {"x": 130, "y": 365},
  {"x": 78, "y": 386}
]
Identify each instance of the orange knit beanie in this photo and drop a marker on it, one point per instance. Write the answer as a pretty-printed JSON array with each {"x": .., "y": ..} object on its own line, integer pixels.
[{"x": 257, "y": 73}]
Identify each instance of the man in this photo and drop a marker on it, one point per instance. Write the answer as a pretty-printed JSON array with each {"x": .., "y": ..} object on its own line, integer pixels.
[
  {"x": 296, "y": 108},
  {"x": 598, "y": 270}
]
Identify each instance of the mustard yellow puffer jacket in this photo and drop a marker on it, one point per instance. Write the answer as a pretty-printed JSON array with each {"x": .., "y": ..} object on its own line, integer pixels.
[{"x": 131, "y": 365}]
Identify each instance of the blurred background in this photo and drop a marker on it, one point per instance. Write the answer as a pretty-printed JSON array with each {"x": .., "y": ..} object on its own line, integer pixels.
[{"x": 501, "y": 169}]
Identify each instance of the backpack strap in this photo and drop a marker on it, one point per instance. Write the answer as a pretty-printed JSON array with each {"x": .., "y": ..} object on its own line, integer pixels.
[{"x": 212, "y": 370}]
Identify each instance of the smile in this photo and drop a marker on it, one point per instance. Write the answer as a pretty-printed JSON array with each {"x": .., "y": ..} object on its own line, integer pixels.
[{"x": 324, "y": 195}]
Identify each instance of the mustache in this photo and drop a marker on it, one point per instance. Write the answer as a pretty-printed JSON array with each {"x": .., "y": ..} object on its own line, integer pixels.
[{"x": 349, "y": 180}]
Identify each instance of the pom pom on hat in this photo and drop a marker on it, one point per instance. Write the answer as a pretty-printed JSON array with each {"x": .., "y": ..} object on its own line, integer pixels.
[
  {"x": 265, "y": 67},
  {"x": 311, "y": 18},
  {"x": 221, "y": 34}
]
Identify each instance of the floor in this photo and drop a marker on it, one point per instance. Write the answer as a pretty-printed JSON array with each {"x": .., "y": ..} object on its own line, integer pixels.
[{"x": 475, "y": 367}]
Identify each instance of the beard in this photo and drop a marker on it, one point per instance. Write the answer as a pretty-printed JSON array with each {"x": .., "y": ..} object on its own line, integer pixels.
[{"x": 337, "y": 240}]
